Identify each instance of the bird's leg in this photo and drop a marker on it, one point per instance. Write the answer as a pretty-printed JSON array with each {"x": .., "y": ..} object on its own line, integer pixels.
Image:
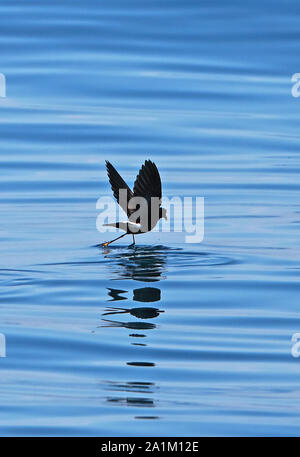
[
  {"x": 133, "y": 241},
  {"x": 108, "y": 242}
]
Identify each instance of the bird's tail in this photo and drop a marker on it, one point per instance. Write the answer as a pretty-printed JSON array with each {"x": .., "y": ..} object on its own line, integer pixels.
[{"x": 120, "y": 225}]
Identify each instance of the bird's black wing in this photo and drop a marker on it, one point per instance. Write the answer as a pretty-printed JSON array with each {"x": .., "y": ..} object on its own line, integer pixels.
[
  {"x": 117, "y": 183},
  {"x": 148, "y": 183}
]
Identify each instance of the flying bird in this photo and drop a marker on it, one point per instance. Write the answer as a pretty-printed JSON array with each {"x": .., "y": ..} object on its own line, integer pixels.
[{"x": 142, "y": 205}]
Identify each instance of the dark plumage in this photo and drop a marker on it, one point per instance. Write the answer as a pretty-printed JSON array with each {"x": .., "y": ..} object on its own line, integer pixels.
[
  {"x": 117, "y": 183},
  {"x": 148, "y": 186}
]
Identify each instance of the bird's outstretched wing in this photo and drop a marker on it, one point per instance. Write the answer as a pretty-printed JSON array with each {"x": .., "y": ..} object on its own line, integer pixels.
[
  {"x": 117, "y": 183},
  {"x": 148, "y": 183}
]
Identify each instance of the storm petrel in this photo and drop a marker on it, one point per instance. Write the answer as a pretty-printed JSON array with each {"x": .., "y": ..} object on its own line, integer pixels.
[{"x": 143, "y": 212}]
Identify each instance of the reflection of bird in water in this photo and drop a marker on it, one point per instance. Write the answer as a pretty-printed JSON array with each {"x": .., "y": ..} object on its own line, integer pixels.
[
  {"x": 141, "y": 364},
  {"x": 132, "y": 387},
  {"x": 115, "y": 294},
  {"x": 141, "y": 264},
  {"x": 141, "y": 313},
  {"x": 144, "y": 294},
  {"x": 130, "y": 325},
  {"x": 132, "y": 401},
  {"x": 148, "y": 186}
]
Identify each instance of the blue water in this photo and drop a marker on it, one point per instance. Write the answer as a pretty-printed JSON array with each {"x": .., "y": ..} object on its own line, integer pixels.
[{"x": 203, "y": 346}]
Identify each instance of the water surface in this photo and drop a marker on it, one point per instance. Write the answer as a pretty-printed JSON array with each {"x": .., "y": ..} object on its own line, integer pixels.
[{"x": 167, "y": 338}]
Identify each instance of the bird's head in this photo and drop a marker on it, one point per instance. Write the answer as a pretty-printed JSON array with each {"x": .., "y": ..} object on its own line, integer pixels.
[{"x": 163, "y": 213}]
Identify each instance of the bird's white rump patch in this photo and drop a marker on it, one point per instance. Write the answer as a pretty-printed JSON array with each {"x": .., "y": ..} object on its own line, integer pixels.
[{"x": 186, "y": 215}]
